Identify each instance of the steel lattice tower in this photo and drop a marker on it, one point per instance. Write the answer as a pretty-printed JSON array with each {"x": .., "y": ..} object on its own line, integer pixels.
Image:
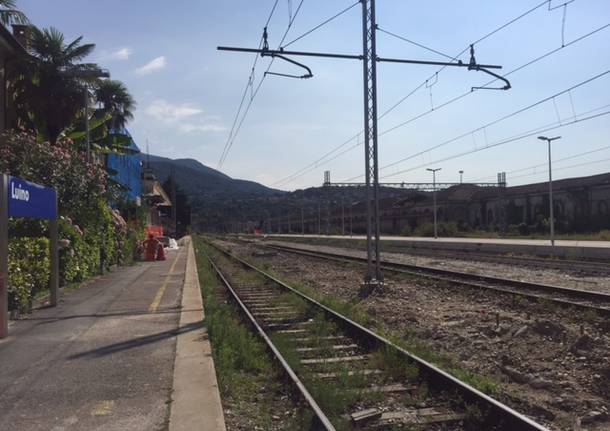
[{"x": 369, "y": 63}]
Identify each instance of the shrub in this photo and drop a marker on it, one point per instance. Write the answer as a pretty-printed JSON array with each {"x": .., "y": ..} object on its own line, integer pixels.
[
  {"x": 443, "y": 228},
  {"x": 523, "y": 229},
  {"x": 28, "y": 269},
  {"x": 78, "y": 183},
  {"x": 406, "y": 231},
  {"x": 95, "y": 232},
  {"x": 513, "y": 230},
  {"x": 604, "y": 235}
]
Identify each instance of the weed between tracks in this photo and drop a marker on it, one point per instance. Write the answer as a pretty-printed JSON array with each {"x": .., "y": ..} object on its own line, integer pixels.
[
  {"x": 346, "y": 393},
  {"x": 406, "y": 340},
  {"x": 253, "y": 393}
]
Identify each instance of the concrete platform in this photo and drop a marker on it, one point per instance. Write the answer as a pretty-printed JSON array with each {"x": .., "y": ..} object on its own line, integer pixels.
[
  {"x": 563, "y": 248},
  {"x": 196, "y": 403},
  {"x": 105, "y": 358}
]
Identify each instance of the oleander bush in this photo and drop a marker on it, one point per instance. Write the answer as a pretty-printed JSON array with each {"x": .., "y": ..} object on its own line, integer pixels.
[{"x": 93, "y": 235}]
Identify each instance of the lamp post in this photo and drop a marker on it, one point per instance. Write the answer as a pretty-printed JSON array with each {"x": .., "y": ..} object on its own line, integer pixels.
[
  {"x": 83, "y": 73},
  {"x": 434, "y": 196},
  {"x": 351, "y": 219},
  {"x": 461, "y": 173},
  {"x": 549, "y": 140},
  {"x": 342, "y": 217}
]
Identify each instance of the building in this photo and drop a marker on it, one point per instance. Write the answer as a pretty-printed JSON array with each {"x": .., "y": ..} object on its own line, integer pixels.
[
  {"x": 126, "y": 170},
  {"x": 156, "y": 201},
  {"x": 580, "y": 205}
]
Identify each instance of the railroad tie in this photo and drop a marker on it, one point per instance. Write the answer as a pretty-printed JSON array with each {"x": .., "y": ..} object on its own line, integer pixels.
[{"x": 334, "y": 359}]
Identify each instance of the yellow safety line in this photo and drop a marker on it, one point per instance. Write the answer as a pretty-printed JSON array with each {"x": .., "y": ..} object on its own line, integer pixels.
[{"x": 155, "y": 304}]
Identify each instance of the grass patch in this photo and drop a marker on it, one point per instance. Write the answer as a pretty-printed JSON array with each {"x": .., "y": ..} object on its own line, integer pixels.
[
  {"x": 394, "y": 365},
  {"x": 247, "y": 377},
  {"x": 408, "y": 341},
  {"x": 340, "y": 397}
]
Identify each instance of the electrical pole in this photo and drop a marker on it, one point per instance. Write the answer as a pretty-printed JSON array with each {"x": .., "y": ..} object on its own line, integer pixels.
[
  {"x": 302, "y": 223},
  {"x": 434, "y": 197},
  {"x": 172, "y": 177},
  {"x": 369, "y": 67},
  {"x": 369, "y": 60},
  {"x": 319, "y": 218},
  {"x": 327, "y": 217},
  {"x": 552, "y": 220},
  {"x": 342, "y": 217},
  {"x": 351, "y": 219}
]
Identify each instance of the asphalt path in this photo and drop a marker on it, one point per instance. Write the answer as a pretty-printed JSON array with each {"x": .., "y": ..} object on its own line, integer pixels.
[{"x": 102, "y": 360}]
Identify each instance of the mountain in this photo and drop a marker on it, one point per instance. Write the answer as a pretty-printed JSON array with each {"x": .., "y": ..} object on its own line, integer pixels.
[
  {"x": 219, "y": 202},
  {"x": 202, "y": 182}
]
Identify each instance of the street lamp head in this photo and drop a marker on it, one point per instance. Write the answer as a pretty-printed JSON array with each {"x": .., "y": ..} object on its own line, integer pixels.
[{"x": 544, "y": 138}]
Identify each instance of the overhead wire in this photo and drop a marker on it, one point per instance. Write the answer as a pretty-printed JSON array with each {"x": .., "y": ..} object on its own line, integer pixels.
[
  {"x": 530, "y": 133},
  {"x": 260, "y": 83},
  {"x": 322, "y": 24},
  {"x": 415, "y": 43},
  {"x": 541, "y": 165},
  {"x": 325, "y": 160},
  {"x": 496, "y": 121},
  {"x": 561, "y": 168},
  {"x": 465, "y": 94},
  {"x": 248, "y": 86},
  {"x": 320, "y": 160}
]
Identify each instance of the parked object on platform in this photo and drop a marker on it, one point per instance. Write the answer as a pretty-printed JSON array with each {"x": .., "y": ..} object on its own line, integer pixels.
[
  {"x": 160, "y": 252},
  {"x": 151, "y": 245}
]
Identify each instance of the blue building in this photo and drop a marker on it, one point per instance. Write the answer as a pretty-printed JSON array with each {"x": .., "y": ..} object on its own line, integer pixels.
[{"x": 127, "y": 170}]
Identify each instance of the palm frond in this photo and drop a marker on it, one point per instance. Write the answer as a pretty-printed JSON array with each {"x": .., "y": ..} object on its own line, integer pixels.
[
  {"x": 10, "y": 15},
  {"x": 79, "y": 52}
]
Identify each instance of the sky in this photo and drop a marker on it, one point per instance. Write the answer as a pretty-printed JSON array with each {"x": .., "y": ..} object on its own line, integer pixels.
[{"x": 188, "y": 93}]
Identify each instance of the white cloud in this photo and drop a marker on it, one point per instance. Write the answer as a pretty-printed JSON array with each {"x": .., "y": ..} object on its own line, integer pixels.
[
  {"x": 185, "y": 117},
  {"x": 118, "y": 54},
  {"x": 152, "y": 66},
  {"x": 190, "y": 128},
  {"x": 162, "y": 110},
  {"x": 121, "y": 54}
]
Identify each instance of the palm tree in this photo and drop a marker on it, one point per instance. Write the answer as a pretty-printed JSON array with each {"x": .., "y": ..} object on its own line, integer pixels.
[
  {"x": 116, "y": 102},
  {"x": 49, "y": 86},
  {"x": 10, "y": 15}
]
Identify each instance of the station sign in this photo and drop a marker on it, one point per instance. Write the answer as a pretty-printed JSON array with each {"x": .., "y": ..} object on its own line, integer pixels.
[{"x": 26, "y": 199}]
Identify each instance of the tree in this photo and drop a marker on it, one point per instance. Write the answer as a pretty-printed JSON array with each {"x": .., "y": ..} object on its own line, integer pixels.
[
  {"x": 50, "y": 85},
  {"x": 10, "y": 15},
  {"x": 116, "y": 102}
]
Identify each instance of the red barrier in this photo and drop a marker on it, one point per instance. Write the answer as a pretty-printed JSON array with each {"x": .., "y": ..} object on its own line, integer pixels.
[{"x": 157, "y": 231}]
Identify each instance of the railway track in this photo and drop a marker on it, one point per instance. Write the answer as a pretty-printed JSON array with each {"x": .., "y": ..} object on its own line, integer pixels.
[
  {"x": 563, "y": 296},
  {"x": 350, "y": 377},
  {"x": 580, "y": 267}
]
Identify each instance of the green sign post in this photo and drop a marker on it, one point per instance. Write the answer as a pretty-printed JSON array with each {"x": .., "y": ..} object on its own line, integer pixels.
[{"x": 20, "y": 198}]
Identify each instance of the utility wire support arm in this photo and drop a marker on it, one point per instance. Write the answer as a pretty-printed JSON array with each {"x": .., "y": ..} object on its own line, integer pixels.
[
  {"x": 272, "y": 52},
  {"x": 266, "y": 53}
]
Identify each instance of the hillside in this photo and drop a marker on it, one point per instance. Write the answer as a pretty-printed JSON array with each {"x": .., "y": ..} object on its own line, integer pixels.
[
  {"x": 202, "y": 182},
  {"x": 218, "y": 201}
]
